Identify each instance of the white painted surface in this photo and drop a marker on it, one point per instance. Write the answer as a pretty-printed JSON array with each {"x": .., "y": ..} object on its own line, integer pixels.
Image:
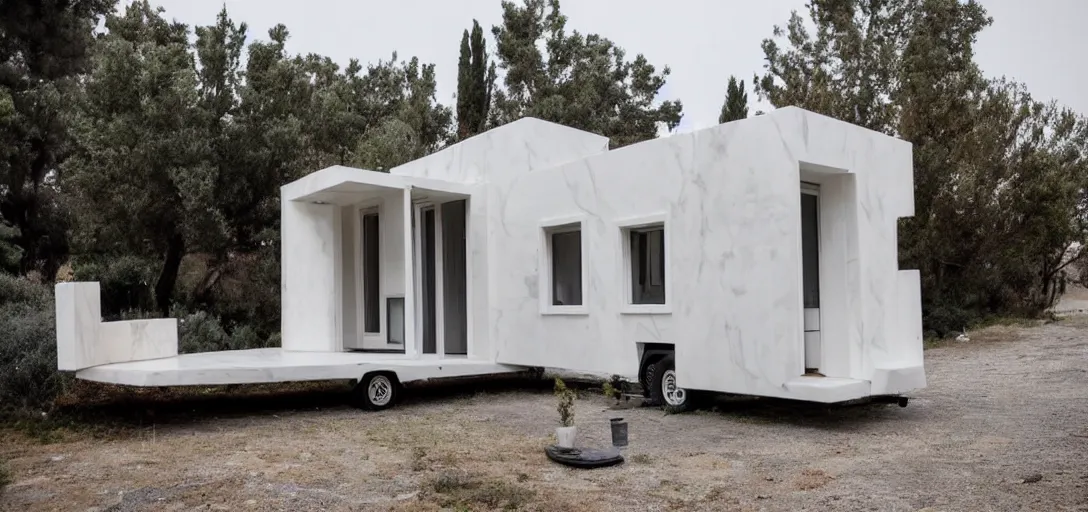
[
  {"x": 812, "y": 350},
  {"x": 812, "y": 319},
  {"x": 277, "y": 365},
  {"x": 84, "y": 340},
  {"x": 311, "y": 276}
]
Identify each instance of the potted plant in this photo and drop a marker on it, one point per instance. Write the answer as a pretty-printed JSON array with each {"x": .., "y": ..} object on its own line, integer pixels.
[{"x": 565, "y": 434}]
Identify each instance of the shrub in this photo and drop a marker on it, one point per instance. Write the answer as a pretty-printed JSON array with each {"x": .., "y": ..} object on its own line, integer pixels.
[
  {"x": 28, "y": 353},
  {"x": 126, "y": 282},
  {"x": 204, "y": 332},
  {"x": 566, "y": 403}
]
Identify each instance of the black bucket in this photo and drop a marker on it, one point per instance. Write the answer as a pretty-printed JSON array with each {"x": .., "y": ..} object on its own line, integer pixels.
[{"x": 619, "y": 432}]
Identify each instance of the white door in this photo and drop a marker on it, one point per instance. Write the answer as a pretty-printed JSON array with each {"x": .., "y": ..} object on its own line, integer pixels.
[
  {"x": 810, "y": 271},
  {"x": 380, "y": 317}
]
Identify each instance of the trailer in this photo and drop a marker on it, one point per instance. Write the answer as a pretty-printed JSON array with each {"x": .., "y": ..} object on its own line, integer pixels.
[{"x": 757, "y": 257}]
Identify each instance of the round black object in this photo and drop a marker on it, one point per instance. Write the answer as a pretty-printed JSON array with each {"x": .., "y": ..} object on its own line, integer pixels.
[
  {"x": 584, "y": 458},
  {"x": 663, "y": 389},
  {"x": 377, "y": 391}
]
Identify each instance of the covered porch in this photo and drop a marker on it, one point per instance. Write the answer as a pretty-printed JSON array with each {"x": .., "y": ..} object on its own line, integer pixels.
[{"x": 376, "y": 262}]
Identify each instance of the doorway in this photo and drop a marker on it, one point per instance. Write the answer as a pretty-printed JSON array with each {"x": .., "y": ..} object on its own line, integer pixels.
[
  {"x": 810, "y": 274},
  {"x": 441, "y": 271}
]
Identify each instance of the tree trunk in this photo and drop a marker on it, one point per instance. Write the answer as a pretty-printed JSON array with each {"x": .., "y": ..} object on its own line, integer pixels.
[{"x": 168, "y": 277}]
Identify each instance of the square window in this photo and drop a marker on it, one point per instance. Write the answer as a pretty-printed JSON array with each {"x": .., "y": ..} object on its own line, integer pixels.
[
  {"x": 566, "y": 266},
  {"x": 647, "y": 264}
]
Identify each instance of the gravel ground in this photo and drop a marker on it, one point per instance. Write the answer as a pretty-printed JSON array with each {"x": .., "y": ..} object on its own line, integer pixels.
[{"x": 1002, "y": 426}]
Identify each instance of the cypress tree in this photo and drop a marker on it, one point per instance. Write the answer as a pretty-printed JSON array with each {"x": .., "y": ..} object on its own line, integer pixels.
[
  {"x": 736, "y": 102},
  {"x": 475, "y": 80}
]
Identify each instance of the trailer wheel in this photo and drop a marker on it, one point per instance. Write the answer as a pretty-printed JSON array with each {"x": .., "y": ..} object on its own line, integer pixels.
[
  {"x": 377, "y": 391},
  {"x": 661, "y": 375}
]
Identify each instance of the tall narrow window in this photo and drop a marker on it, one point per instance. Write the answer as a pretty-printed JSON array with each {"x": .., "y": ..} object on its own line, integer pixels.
[
  {"x": 647, "y": 246},
  {"x": 810, "y": 250},
  {"x": 566, "y": 256},
  {"x": 371, "y": 276}
]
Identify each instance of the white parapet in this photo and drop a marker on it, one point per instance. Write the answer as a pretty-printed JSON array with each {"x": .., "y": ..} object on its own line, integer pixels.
[{"x": 84, "y": 340}]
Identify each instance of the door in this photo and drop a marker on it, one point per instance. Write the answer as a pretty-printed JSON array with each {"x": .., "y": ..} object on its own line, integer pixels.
[
  {"x": 810, "y": 273},
  {"x": 441, "y": 273},
  {"x": 428, "y": 282},
  {"x": 454, "y": 279}
]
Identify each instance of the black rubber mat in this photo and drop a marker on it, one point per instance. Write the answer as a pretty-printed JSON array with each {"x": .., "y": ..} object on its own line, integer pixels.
[{"x": 585, "y": 458}]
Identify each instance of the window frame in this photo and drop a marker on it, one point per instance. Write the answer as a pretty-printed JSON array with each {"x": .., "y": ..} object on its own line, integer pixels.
[
  {"x": 626, "y": 228},
  {"x": 545, "y": 284}
]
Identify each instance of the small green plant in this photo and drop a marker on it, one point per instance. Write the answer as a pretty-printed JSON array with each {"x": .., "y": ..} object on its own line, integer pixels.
[
  {"x": 610, "y": 391},
  {"x": 614, "y": 387},
  {"x": 566, "y": 403}
]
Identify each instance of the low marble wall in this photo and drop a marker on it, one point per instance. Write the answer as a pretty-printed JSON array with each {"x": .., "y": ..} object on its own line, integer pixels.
[{"x": 84, "y": 340}]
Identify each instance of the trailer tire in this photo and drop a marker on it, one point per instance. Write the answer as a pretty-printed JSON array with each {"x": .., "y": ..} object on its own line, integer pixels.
[
  {"x": 377, "y": 391},
  {"x": 661, "y": 375}
]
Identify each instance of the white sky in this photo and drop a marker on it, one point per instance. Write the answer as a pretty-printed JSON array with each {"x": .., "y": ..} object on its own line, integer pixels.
[{"x": 1039, "y": 42}]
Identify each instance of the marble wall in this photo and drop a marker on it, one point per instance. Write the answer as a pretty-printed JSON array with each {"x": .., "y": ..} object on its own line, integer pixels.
[
  {"x": 84, "y": 340},
  {"x": 491, "y": 160},
  {"x": 729, "y": 198}
]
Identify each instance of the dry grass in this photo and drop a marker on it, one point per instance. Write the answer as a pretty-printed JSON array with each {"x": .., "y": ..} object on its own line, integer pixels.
[
  {"x": 461, "y": 490},
  {"x": 812, "y": 479},
  {"x": 5, "y": 476},
  {"x": 299, "y": 449}
]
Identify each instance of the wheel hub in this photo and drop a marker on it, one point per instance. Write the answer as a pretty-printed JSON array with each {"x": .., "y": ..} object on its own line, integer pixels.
[
  {"x": 673, "y": 395},
  {"x": 380, "y": 390}
]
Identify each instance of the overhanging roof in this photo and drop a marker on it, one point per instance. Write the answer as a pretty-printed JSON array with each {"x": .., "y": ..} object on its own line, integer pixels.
[{"x": 346, "y": 185}]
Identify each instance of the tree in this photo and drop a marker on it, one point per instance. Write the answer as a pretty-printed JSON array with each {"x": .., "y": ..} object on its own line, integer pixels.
[
  {"x": 43, "y": 48},
  {"x": 736, "y": 102},
  {"x": 140, "y": 177},
  {"x": 403, "y": 121},
  {"x": 999, "y": 178},
  {"x": 582, "y": 81},
  {"x": 475, "y": 84}
]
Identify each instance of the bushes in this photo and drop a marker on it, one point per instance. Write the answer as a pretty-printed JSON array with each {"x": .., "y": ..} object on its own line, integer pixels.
[
  {"x": 28, "y": 352},
  {"x": 126, "y": 283},
  {"x": 203, "y": 332}
]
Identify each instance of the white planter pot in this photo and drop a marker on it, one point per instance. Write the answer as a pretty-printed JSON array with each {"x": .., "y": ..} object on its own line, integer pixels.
[{"x": 565, "y": 436}]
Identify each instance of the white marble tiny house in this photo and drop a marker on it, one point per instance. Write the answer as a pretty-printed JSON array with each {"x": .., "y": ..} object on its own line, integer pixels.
[{"x": 754, "y": 257}]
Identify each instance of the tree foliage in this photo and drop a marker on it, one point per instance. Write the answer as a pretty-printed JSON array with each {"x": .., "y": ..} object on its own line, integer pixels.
[
  {"x": 1000, "y": 178},
  {"x": 475, "y": 83},
  {"x": 582, "y": 81},
  {"x": 736, "y": 102},
  {"x": 43, "y": 48}
]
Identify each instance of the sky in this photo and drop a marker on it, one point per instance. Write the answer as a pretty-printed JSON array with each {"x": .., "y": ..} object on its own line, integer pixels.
[{"x": 1041, "y": 43}]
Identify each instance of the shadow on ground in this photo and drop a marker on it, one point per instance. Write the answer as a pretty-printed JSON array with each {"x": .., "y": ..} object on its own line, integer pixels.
[
  {"x": 114, "y": 409},
  {"x": 842, "y": 417}
]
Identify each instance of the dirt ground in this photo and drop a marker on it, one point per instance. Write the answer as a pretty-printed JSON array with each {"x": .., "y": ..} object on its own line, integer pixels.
[{"x": 1003, "y": 425}]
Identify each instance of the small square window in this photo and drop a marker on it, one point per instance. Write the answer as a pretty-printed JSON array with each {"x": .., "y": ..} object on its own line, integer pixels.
[
  {"x": 566, "y": 266},
  {"x": 647, "y": 262}
]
